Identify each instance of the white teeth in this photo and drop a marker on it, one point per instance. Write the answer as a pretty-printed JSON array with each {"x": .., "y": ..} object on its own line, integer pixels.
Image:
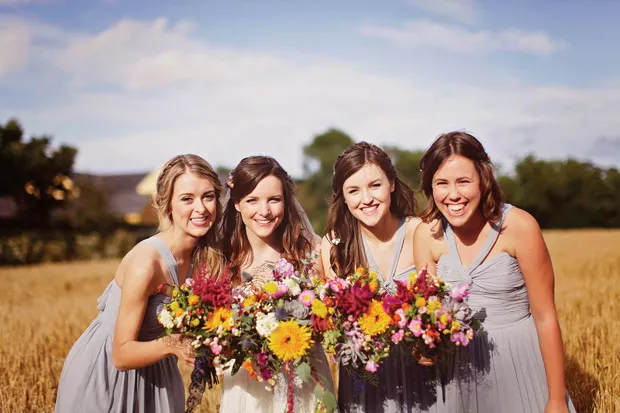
[
  {"x": 199, "y": 219},
  {"x": 456, "y": 208}
]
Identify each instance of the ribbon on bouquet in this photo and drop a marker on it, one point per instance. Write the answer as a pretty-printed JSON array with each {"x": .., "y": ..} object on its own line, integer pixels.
[{"x": 203, "y": 375}]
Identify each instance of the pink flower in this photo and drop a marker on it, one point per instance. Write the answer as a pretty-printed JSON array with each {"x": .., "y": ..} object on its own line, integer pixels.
[
  {"x": 460, "y": 291},
  {"x": 460, "y": 339},
  {"x": 215, "y": 347},
  {"x": 371, "y": 366},
  {"x": 402, "y": 318},
  {"x": 306, "y": 298},
  {"x": 415, "y": 326},
  {"x": 283, "y": 269},
  {"x": 398, "y": 336},
  {"x": 282, "y": 289}
]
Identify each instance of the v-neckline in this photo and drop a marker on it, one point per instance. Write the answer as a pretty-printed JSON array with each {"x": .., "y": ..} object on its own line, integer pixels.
[{"x": 398, "y": 246}]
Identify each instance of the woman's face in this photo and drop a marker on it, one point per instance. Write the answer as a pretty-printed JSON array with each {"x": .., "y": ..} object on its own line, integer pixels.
[
  {"x": 367, "y": 194},
  {"x": 194, "y": 204},
  {"x": 456, "y": 190},
  {"x": 262, "y": 210}
]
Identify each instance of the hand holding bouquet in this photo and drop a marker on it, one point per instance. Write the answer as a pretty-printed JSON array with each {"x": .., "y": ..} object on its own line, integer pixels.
[{"x": 200, "y": 311}]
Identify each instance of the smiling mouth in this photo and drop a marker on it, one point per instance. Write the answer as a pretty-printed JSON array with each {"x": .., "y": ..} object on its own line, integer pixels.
[
  {"x": 456, "y": 209},
  {"x": 264, "y": 222},
  {"x": 369, "y": 210},
  {"x": 199, "y": 221}
]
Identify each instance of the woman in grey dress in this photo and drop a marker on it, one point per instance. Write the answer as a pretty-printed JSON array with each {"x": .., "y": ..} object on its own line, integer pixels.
[
  {"x": 371, "y": 223},
  {"x": 516, "y": 365},
  {"x": 120, "y": 364}
]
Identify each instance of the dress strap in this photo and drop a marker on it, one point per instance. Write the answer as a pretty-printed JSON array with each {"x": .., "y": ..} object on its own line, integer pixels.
[
  {"x": 398, "y": 246},
  {"x": 450, "y": 238},
  {"x": 164, "y": 250}
]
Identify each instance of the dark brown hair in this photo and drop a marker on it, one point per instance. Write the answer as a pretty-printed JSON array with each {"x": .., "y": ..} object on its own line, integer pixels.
[
  {"x": 295, "y": 242},
  {"x": 463, "y": 144},
  {"x": 349, "y": 253},
  {"x": 208, "y": 248}
]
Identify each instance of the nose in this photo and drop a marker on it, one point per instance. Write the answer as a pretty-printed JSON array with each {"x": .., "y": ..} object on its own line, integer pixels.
[
  {"x": 200, "y": 206},
  {"x": 366, "y": 197},
  {"x": 265, "y": 210},
  {"x": 454, "y": 194}
]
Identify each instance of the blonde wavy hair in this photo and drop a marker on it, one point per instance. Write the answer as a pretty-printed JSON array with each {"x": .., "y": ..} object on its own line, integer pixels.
[{"x": 208, "y": 249}]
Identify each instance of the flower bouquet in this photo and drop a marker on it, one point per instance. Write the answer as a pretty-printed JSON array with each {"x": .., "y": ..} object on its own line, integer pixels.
[
  {"x": 430, "y": 316},
  {"x": 352, "y": 323},
  {"x": 273, "y": 332},
  {"x": 200, "y": 310}
]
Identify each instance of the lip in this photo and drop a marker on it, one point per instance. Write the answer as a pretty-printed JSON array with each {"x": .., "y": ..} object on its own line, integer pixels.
[
  {"x": 264, "y": 223},
  {"x": 370, "y": 210},
  {"x": 458, "y": 212},
  {"x": 200, "y": 221}
]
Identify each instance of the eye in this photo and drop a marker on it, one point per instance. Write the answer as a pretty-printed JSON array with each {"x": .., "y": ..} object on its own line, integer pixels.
[
  {"x": 275, "y": 200},
  {"x": 463, "y": 181},
  {"x": 251, "y": 201},
  {"x": 186, "y": 199},
  {"x": 441, "y": 183},
  {"x": 209, "y": 197},
  {"x": 376, "y": 185},
  {"x": 352, "y": 191}
]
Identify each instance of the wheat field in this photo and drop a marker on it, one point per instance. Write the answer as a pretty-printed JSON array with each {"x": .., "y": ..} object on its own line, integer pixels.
[{"x": 45, "y": 308}]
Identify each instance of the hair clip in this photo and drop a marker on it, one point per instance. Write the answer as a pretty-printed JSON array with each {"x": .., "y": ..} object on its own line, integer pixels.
[
  {"x": 336, "y": 241},
  {"x": 229, "y": 182}
]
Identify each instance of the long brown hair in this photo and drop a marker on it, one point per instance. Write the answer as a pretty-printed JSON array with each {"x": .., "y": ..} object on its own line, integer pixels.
[
  {"x": 341, "y": 224},
  {"x": 463, "y": 144},
  {"x": 208, "y": 248},
  {"x": 294, "y": 241}
]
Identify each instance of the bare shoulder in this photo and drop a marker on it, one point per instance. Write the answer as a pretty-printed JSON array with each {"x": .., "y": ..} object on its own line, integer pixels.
[
  {"x": 429, "y": 230},
  {"x": 412, "y": 223},
  {"x": 519, "y": 222},
  {"x": 141, "y": 264}
]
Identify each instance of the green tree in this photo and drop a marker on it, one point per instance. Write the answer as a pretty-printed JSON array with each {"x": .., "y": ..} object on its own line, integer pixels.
[
  {"x": 34, "y": 174},
  {"x": 407, "y": 164},
  {"x": 319, "y": 159}
]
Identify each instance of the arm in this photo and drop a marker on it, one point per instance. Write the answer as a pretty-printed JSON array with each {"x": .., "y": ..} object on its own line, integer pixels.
[
  {"x": 533, "y": 257},
  {"x": 422, "y": 252},
  {"x": 127, "y": 352}
]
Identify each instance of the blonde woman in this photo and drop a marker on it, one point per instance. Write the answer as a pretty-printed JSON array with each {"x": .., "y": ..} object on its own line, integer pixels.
[{"x": 119, "y": 364}]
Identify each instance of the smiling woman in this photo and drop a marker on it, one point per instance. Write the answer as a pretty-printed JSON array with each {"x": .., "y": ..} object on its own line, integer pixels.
[
  {"x": 470, "y": 236},
  {"x": 121, "y": 362}
]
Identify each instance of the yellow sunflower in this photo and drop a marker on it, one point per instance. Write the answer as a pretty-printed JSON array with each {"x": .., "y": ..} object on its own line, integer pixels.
[
  {"x": 290, "y": 340},
  {"x": 375, "y": 321},
  {"x": 219, "y": 317}
]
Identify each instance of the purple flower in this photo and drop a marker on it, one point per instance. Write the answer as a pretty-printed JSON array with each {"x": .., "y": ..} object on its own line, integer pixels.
[
  {"x": 283, "y": 269},
  {"x": 261, "y": 359},
  {"x": 460, "y": 291},
  {"x": 460, "y": 339},
  {"x": 282, "y": 289}
]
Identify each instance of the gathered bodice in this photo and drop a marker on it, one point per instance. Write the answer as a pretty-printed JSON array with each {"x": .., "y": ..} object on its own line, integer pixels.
[
  {"x": 109, "y": 301},
  {"x": 498, "y": 294},
  {"x": 389, "y": 283}
]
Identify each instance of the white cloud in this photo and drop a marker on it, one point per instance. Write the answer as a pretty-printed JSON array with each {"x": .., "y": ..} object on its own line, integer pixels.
[
  {"x": 461, "y": 10},
  {"x": 145, "y": 91},
  {"x": 460, "y": 39},
  {"x": 14, "y": 47}
]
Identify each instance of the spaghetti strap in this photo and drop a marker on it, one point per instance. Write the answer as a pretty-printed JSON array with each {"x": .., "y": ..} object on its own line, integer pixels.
[{"x": 168, "y": 257}]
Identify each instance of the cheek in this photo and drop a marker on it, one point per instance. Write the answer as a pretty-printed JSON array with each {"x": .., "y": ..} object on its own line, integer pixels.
[{"x": 439, "y": 194}]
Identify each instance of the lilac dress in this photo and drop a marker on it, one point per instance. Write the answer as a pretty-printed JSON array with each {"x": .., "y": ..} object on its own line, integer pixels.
[
  {"x": 502, "y": 369},
  {"x": 89, "y": 381},
  {"x": 404, "y": 385}
]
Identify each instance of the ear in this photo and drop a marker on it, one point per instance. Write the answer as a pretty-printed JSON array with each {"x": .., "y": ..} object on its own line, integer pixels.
[
  {"x": 392, "y": 186},
  {"x": 237, "y": 207}
]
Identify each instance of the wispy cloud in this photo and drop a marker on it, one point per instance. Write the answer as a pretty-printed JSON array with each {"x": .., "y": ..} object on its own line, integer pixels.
[
  {"x": 139, "y": 92},
  {"x": 461, "y": 10},
  {"x": 424, "y": 33}
]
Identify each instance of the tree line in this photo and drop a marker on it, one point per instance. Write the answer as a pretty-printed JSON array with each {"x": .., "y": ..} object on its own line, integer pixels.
[{"x": 559, "y": 193}]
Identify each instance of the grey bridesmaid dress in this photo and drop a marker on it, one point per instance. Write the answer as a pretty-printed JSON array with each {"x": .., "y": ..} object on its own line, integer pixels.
[
  {"x": 502, "y": 368},
  {"x": 89, "y": 381},
  {"x": 403, "y": 385}
]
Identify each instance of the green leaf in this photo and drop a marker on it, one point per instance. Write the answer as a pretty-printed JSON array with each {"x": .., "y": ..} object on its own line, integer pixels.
[
  {"x": 318, "y": 392},
  {"x": 303, "y": 371},
  {"x": 329, "y": 400}
]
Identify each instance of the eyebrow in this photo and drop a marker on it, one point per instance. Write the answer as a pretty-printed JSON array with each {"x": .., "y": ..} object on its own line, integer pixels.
[{"x": 210, "y": 191}]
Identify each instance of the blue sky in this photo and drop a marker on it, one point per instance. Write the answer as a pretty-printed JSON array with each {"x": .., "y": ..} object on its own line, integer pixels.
[{"x": 132, "y": 83}]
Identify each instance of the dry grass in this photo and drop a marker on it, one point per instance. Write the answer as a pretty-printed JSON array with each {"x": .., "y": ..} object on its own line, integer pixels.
[{"x": 45, "y": 308}]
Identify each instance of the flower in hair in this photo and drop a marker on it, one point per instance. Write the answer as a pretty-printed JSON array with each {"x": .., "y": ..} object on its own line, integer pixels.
[
  {"x": 336, "y": 241},
  {"x": 229, "y": 182}
]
